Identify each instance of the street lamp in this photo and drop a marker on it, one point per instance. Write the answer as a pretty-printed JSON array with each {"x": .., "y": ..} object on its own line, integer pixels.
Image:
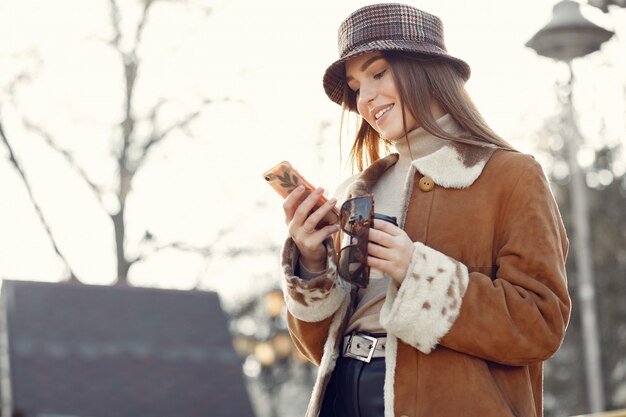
[
  {"x": 567, "y": 36},
  {"x": 604, "y": 4}
]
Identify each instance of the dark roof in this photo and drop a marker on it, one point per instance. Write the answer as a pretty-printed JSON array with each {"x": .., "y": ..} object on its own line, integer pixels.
[{"x": 98, "y": 351}]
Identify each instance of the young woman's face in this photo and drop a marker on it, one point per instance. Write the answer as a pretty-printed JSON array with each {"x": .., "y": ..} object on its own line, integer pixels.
[{"x": 377, "y": 98}]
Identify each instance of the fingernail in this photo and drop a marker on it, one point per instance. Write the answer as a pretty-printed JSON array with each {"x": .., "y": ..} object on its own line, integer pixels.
[
  {"x": 320, "y": 190},
  {"x": 332, "y": 201},
  {"x": 300, "y": 188}
]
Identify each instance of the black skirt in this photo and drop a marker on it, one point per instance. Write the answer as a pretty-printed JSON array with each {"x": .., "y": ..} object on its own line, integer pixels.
[{"x": 355, "y": 389}]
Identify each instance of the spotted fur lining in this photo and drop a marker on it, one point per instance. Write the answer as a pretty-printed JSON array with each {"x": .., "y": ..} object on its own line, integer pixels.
[
  {"x": 329, "y": 358},
  {"x": 428, "y": 301},
  {"x": 314, "y": 299}
]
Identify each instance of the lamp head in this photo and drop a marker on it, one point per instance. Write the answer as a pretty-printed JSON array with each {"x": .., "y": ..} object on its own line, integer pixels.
[{"x": 569, "y": 34}]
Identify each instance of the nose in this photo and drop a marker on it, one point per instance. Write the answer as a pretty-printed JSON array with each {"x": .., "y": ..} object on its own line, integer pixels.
[{"x": 366, "y": 93}]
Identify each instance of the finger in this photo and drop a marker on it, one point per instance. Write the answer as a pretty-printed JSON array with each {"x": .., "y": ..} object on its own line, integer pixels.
[
  {"x": 313, "y": 241},
  {"x": 379, "y": 252},
  {"x": 388, "y": 267},
  {"x": 380, "y": 264},
  {"x": 328, "y": 231},
  {"x": 303, "y": 210},
  {"x": 313, "y": 220},
  {"x": 293, "y": 200},
  {"x": 381, "y": 237},
  {"x": 316, "y": 237},
  {"x": 387, "y": 227}
]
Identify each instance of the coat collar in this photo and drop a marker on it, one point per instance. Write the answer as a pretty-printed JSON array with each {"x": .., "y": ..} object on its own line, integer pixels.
[{"x": 456, "y": 165}]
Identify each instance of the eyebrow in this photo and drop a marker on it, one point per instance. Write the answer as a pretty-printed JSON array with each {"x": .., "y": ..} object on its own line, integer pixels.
[{"x": 366, "y": 64}]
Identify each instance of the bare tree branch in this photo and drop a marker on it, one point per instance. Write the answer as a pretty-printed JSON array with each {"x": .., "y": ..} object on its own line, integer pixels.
[
  {"x": 48, "y": 139},
  {"x": 69, "y": 158},
  {"x": 205, "y": 251},
  {"x": 10, "y": 89},
  {"x": 154, "y": 112},
  {"x": 131, "y": 63},
  {"x": 16, "y": 164},
  {"x": 115, "y": 24},
  {"x": 128, "y": 163},
  {"x": 155, "y": 137},
  {"x": 141, "y": 25},
  {"x": 23, "y": 76},
  {"x": 181, "y": 246},
  {"x": 185, "y": 247},
  {"x": 201, "y": 7},
  {"x": 234, "y": 252}
]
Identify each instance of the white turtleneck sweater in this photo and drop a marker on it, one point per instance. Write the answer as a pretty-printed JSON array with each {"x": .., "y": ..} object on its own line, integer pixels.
[{"x": 389, "y": 200}]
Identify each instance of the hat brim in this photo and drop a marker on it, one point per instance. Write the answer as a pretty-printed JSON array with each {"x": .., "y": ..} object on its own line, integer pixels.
[{"x": 334, "y": 77}]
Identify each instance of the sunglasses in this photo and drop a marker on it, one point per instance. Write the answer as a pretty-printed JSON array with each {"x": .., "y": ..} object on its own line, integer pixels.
[{"x": 355, "y": 218}]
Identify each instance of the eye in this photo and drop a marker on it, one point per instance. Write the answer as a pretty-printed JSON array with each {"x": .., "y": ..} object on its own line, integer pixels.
[{"x": 379, "y": 75}]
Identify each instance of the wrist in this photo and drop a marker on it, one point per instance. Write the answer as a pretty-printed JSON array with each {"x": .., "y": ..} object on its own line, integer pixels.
[
  {"x": 313, "y": 266},
  {"x": 397, "y": 282}
]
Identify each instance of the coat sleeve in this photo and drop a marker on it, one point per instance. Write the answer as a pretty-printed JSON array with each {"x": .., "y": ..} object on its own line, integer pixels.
[
  {"x": 313, "y": 300},
  {"x": 311, "y": 303},
  {"x": 515, "y": 319}
]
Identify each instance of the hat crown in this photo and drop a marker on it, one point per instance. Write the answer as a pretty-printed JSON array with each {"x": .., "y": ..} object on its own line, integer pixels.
[
  {"x": 387, "y": 27},
  {"x": 388, "y": 22}
]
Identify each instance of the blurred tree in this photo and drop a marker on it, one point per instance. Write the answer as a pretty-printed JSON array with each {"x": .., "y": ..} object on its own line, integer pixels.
[
  {"x": 38, "y": 210},
  {"x": 565, "y": 392},
  {"x": 137, "y": 137}
]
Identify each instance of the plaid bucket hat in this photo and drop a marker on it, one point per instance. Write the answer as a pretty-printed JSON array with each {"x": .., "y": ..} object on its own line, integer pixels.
[{"x": 390, "y": 27}]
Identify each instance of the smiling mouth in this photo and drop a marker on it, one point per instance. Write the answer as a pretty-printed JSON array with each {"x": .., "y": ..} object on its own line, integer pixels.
[{"x": 383, "y": 111}]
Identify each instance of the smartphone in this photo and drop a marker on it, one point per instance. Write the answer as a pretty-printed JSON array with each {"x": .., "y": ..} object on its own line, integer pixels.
[{"x": 284, "y": 179}]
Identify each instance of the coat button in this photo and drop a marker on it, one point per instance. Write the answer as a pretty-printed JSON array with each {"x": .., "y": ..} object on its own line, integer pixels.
[{"x": 426, "y": 184}]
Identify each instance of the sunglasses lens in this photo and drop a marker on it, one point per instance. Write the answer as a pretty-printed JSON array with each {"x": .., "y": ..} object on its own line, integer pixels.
[
  {"x": 356, "y": 214},
  {"x": 355, "y": 218},
  {"x": 353, "y": 265}
]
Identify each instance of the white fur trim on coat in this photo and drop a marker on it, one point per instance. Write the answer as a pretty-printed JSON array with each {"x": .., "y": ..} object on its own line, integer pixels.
[
  {"x": 329, "y": 359},
  {"x": 428, "y": 301},
  {"x": 391, "y": 354},
  {"x": 314, "y": 299},
  {"x": 447, "y": 168}
]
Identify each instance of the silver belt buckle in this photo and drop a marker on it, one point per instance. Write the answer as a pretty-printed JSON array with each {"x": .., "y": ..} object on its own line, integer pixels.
[{"x": 372, "y": 347}]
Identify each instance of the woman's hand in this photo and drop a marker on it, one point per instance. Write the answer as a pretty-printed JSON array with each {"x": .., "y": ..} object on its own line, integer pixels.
[
  {"x": 302, "y": 223},
  {"x": 390, "y": 250}
]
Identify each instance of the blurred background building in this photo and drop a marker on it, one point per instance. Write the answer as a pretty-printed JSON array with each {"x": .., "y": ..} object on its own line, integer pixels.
[{"x": 79, "y": 350}]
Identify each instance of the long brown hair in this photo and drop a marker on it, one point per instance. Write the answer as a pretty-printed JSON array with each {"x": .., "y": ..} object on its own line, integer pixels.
[{"x": 420, "y": 78}]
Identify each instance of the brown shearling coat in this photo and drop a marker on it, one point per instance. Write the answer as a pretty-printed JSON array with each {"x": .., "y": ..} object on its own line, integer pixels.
[{"x": 484, "y": 301}]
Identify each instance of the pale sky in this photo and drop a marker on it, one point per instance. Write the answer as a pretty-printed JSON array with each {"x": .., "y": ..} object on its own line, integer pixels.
[{"x": 268, "y": 59}]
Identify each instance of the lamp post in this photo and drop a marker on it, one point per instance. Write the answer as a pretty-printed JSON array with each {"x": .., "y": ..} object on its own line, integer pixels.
[{"x": 566, "y": 37}]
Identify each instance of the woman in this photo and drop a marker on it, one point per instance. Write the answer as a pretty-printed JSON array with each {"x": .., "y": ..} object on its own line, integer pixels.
[{"x": 468, "y": 295}]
